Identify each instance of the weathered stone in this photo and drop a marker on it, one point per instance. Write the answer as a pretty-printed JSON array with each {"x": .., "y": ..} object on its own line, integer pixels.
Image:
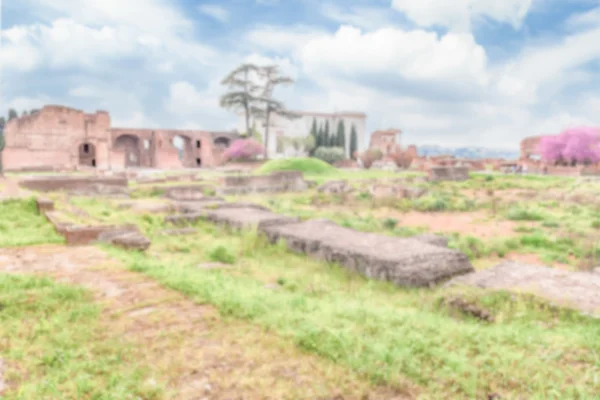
[
  {"x": 284, "y": 181},
  {"x": 448, "y": 174},
  {"x": 335, "y": 187},
  {"x": 128, "y": 237},
  {"x": 432, "y": 239},
  {"x": 44, "y": 205},
  {"x": 405, "y": 262},
  {"x": 577, "y": 290},
  {"x": 247, "y": 217},
  {"x": 178, "y": 232},
  {"x": 132, "y": 241},
  {"x": 187, "y": 192}
]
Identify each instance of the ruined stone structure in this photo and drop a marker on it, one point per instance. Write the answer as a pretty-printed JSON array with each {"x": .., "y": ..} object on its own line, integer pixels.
[
  {"x": 58, "y": 137},
  {"x": 300, "y": 128},
  {"x": 388, "y": 141},
  {"x": 530, "y": 148}
]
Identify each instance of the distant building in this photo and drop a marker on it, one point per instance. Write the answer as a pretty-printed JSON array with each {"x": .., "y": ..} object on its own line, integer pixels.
[
  {"x": 388, "y": 141},
  {"x": 300, "y": 127}
]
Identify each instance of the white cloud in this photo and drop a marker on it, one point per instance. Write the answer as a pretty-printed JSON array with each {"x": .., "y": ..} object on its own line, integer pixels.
[
  {"x": 397, "y": 54},
  {"x": 214, "y": 11},
  {"x": 361, "y": 17},
  {"x": 459, "y": 14},
  {"x": 197, "y": 108},
  {"x": 282, "y": 39}
]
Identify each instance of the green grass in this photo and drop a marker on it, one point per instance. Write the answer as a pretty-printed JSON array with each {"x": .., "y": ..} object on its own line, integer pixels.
[
  {"x": 54, "y": 346},
  {"x": 308, "y": 166},
  {"x": 386, "y": 333},
  {"x": 382, "y": 331},
  {"x": 22, "y": 225}
]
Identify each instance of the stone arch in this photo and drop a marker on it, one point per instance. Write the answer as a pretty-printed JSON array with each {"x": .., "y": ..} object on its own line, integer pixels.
[
  {"x": 87, "y": 154},
  {"x": 130, "y": 146},
  {"x": 185, "y": 147}
]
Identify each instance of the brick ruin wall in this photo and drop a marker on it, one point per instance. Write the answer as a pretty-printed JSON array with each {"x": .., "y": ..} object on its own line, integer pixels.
[{"x": 57, "y": 138}]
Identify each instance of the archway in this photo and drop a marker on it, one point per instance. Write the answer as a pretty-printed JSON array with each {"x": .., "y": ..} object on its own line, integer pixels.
[
  {"x": 185, "y": 148},
  {"x": 130, "y": 146},
  {"x": 87, "y": 154}
]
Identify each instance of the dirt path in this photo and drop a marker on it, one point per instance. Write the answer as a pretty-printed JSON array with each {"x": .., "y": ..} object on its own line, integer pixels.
[{"x": 197, "y": 354}]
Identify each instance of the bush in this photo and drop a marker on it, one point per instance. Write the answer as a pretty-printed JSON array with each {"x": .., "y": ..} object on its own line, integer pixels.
[
  {"x": 309, "y": 166},
  {"x": 330, "y": 154},
  {"x": 523, "y": 214},
  {"x": 402, "y": 159},
  {"x": 243, "y": 149},
  {"x": 370, "y": 156},
  {"x": 221, "y": 254}
]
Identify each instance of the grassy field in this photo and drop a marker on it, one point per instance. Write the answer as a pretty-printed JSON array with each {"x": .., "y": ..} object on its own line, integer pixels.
[
  {"x": 402, "y": 338},
  {"x": 54, "y": 346},
  {"x": 394, "y": 336}
]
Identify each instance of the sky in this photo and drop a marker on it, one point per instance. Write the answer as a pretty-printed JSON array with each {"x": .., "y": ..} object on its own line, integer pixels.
[{"x": 451, "y": 73}]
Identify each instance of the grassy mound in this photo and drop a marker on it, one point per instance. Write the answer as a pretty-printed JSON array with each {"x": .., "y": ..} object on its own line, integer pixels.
[{"x": 309, "y": 166}]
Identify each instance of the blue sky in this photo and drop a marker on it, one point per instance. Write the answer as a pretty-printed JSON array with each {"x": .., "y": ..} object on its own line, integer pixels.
[{"x": 466, "y": 72}]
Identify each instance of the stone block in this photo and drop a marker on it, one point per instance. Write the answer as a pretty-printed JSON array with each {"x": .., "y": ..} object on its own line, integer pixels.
[
  {"x": 448, "y": 174},
  {"x": 576, "y": 290},
  {"x": 403, "y": 261},
  {"x": 247, "y": 217},
  {"x": 44, "y": 205},
  {"x": 435, "y": 240}
]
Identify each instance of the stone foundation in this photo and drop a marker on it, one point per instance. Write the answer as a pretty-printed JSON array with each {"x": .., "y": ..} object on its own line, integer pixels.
[
  {"x": 71, "y": 183},
  {"x": 448, "y": 173}
]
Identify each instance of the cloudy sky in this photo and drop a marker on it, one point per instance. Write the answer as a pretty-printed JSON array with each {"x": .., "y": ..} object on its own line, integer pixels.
[{"x": 449, "y": 72}]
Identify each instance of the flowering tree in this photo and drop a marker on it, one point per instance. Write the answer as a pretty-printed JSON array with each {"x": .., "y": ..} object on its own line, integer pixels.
[
  {"x": 243, "y": 149},
  {"x": 572, "y": 146}
]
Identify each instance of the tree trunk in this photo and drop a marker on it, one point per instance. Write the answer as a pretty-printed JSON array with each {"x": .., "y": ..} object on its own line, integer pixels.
[
  {"x": 247, "y": 107},
  {"x": 267, "y": 118}
]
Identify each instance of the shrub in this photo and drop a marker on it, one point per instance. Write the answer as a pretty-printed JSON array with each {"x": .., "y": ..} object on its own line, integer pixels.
[
  {"x": 330, "y": 154},
  {"x": 522, "y": 214},
  {"x": 390, "y": 223},
  {"x": 221, "y": 254},
  {"x": 370, "y": 156},
  {"x": 402, "y": 159},
  {"x": 243, "y": 149},
  {"x": 305, "y": 165}
]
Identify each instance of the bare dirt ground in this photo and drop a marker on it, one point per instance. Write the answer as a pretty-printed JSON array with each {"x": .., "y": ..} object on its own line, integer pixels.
[
  {"x": 188, "y": 346},
  {"x": 528, "y": 259},
  {"x": 9, "y": 189},
  {"x": 476, "y": 224}
]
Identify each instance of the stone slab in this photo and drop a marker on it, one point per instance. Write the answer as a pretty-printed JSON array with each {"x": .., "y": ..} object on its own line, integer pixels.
[
  {"x": 577, "y": 290},
  {"x": 247, "y": 217},
  {"x": 403, "y": 261}
]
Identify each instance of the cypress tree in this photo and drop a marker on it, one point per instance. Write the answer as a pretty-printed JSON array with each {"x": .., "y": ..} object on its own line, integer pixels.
[
  {"x": 315, "y": 134},
  {"x": 341, "y": 136},
  {"x": 320, "y": 138},
  {"x": 353, "y": 141},
  {"x": 327, "y": 135}
]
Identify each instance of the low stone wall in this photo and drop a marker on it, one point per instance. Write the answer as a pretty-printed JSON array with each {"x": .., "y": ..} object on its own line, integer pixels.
[
  {"x": 576, "y": 290},
  {"x": 448, "y": 173},
  {"x": 127, "y": 236},
  {"x": 276, "y": 182},
  {"x": 186, "y": 192},
  {"x": 416, "y": 262},
  {"x": 69, "y": 183}
]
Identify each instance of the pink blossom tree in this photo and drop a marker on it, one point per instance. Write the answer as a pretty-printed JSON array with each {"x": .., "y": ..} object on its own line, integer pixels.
[
  {"x": 572, "y": 146},
  {"x": 243, "y": 149}
]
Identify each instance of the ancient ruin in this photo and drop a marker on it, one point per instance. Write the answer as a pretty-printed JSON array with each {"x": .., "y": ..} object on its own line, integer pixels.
[{"x": 63, "y": 138}]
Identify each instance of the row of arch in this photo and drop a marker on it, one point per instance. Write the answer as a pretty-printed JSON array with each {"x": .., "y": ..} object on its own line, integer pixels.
[{"x": 136, "y": 149}]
